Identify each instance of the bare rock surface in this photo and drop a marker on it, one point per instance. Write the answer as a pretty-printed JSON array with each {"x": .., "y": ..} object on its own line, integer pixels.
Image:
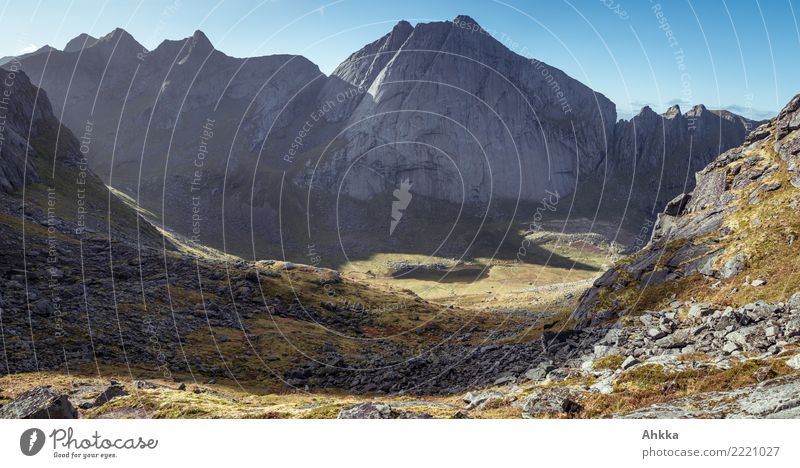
[
  {"x": 443, "y": 105},
  {"x": 39, "y": 403},
  {"x": 775, "y": 399}
]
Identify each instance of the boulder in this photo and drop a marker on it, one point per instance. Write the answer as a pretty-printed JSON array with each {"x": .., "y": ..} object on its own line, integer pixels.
[
  {"x": 794, "y": 301},
  {"x": 146, "y": 385},
  {"x": 676, "y": 206},
  {"x": 604, "y": 386},
  {"x": 730, "y": 347},
  {"x": 374, "y": 410},
  {"x": 759, "y": 311},
  {"x": 794, "y": 362},
  {"x": 629, "y": 362},
  {"x": 111, "y": 392},
  {"x": 542, "y": 403},
  {"x": 480, "y": 399},
  {"x": 39, "y": 403},
  {"x": 733, "y": 266},
  {"x": 752, "y": 338},
  {"x": 700, "y": 310},
  {"x": 792, "y": 328},
  {"x": 539, "y": 372},
  {"x": 366, "y": 411}
]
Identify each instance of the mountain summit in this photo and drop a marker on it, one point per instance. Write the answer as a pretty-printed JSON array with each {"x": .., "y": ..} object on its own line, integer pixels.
[
  {"x": 444, "y": 105},
  {"x": 81, "y": 41}
]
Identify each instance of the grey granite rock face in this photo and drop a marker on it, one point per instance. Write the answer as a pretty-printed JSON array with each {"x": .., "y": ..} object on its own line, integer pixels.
[
  {"x": 442, "y": 104},
  {"x": 30, "y": 132},
  {"x": 179, "y": 120},
  {"x": 699, "y": 225},
  {"x": 26, "y": 116},
  {"x": 79, "y": 42},
  {"x": 464, "y": 118}
]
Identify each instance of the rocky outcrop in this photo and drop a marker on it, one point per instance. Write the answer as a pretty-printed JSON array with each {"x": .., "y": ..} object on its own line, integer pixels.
[
  {"x": 466, "y": 119},
  {"x": 39, "y": 403},
  {"x": 172, "y": 123},
  {"x": 774, "y": 399},
  {"x": 443, "y": 105},
  {"x": 378, "y": 411},
  {"x": 79, "y": 42},
  {"x": 25, "y": 116},
  {"x": 715, "y": 232},
  {"x": 655, "y": 155}
]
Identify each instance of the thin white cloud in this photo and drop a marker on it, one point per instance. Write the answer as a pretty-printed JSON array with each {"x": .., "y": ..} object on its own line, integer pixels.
[{"x": 28, "y": 49}]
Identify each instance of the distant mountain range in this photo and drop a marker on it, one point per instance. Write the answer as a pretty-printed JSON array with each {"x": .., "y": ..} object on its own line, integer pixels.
[{"x": 248, "y": 146}]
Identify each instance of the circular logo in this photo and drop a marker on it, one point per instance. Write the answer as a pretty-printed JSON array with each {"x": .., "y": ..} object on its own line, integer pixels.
[{"x": 31, "y": 441}]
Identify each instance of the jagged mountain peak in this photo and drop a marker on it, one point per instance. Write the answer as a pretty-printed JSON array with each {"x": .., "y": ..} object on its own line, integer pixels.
[
  {"x": 737, "y": 226},
  {"x": 116, "y": 34},
  {"x": 402, "y": 25},
  {"x": 200, "y": 42},
  {"x": 361, "y": 67},
  {"x": 42, "y": 50},
  {"x": 645, "y": 112},
  {"x": 466, "y": 20},
  {"x": 194, "y": 47},
  {"x": 673, "y": 111},
  {"x": 81, "y": 41},
  {"x": 697, "y": 110},
  {"x": 120, "y": 41},
  {"x": 454, "y": 68}
]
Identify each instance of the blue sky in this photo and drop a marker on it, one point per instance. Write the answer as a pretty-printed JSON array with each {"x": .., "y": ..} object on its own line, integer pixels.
[{"x": 737, "y": 54}]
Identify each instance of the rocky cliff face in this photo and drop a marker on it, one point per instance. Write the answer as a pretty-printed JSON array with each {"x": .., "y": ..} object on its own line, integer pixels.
[
  {"x": 728, "y": 240},
  {"x": 464, "y": 118},
  {"x": 176, "y": 126},
  {"x": 44, "y": 176},
  {"x": 26, "y": 119},
  {"x": 654, "y": 156},
  {"x": 192, "y": 133}
]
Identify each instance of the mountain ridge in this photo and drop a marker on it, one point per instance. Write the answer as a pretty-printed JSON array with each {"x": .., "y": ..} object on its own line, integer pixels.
[{"x": 455, "y": 109}]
